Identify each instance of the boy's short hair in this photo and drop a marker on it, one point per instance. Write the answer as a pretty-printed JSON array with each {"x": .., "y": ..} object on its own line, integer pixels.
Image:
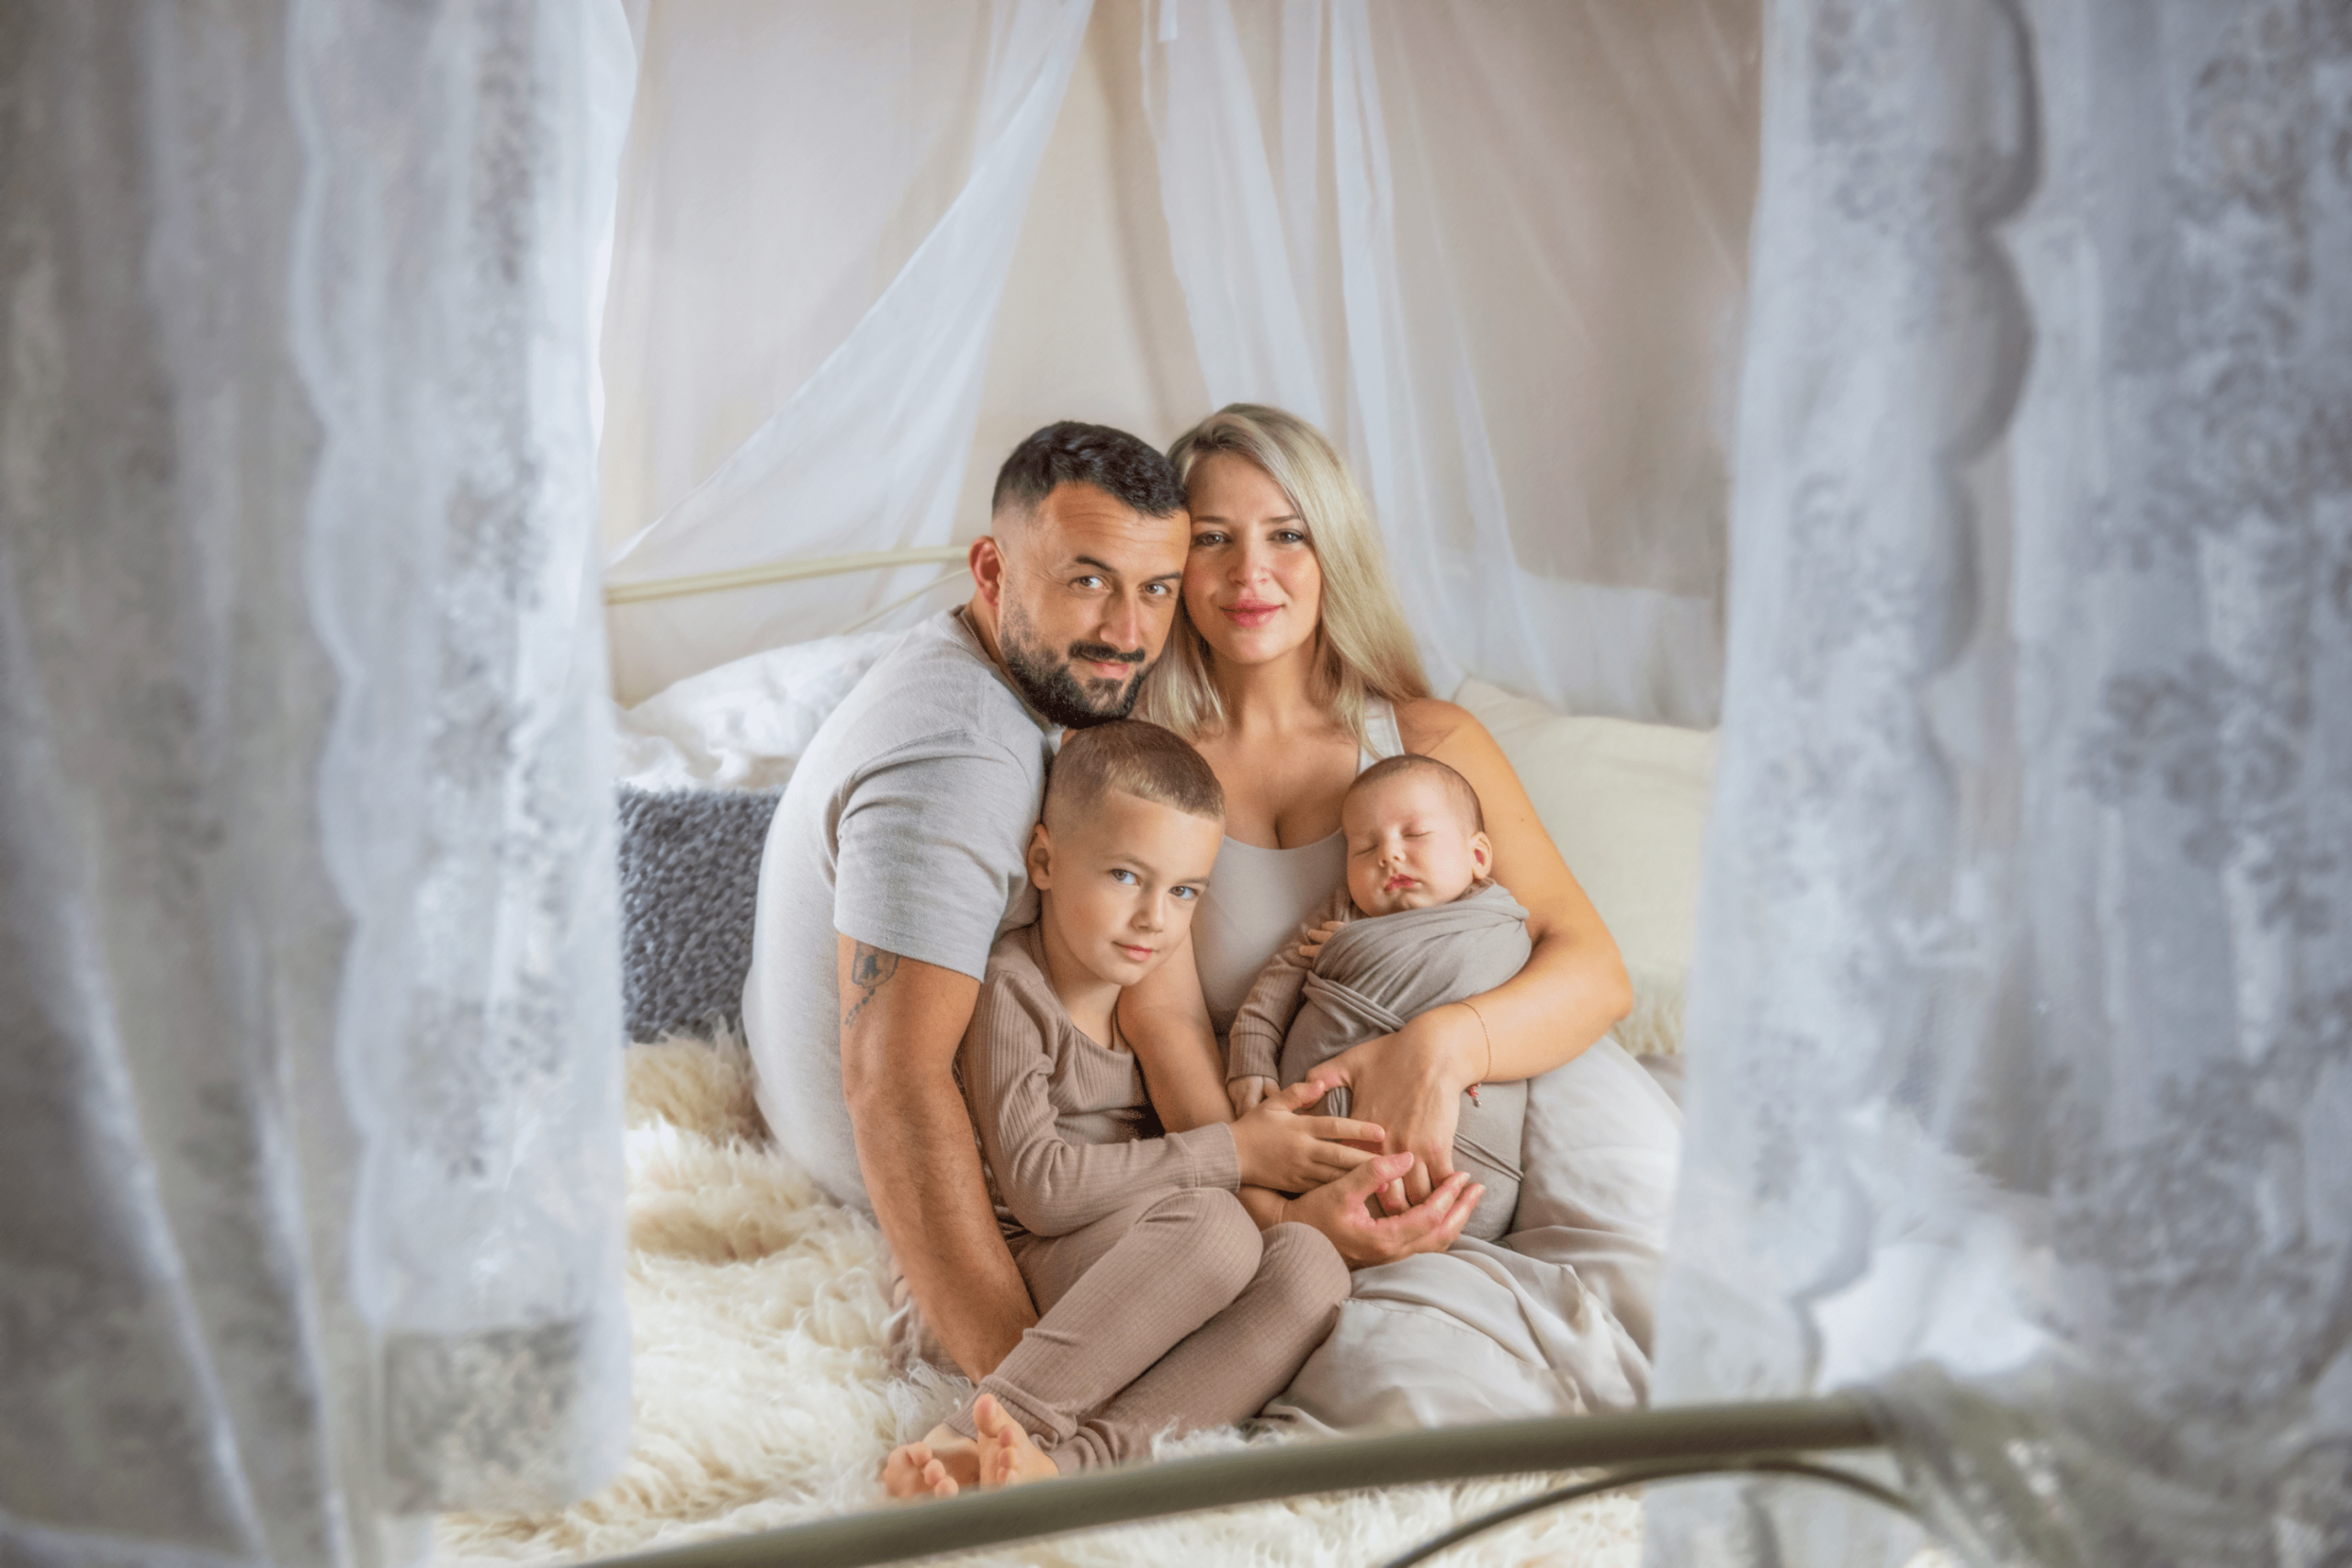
[
  {"x": 1464, "y": 798},
  {"x": 1139, "y": 759}
]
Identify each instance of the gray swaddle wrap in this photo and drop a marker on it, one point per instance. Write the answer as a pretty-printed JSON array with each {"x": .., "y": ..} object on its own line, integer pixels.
[{"x": 1377, "y": 972}]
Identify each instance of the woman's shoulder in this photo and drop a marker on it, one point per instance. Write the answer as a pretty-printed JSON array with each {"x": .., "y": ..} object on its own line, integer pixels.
[{"x": 1427, "y": 724}]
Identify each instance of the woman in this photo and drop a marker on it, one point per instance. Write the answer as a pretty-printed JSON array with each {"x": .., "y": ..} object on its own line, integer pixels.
[{"x": 1290, "y": 668}]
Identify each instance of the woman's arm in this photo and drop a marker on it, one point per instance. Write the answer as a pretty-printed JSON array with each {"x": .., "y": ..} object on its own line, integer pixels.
[
  {"x": 1165, "y": 1023},
  {"x": 1572, "y": 990}
]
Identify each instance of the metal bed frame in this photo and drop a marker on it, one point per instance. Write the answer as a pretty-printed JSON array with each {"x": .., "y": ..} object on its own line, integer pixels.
[{"x": 1774, "y": 1437}]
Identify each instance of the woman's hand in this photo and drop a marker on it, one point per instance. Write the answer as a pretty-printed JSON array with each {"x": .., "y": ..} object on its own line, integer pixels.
[
  {"x": 1411, "y": 1082},
  {"x": 1338, "y": 1210},
  {"x": 1277, "y": 1147}
]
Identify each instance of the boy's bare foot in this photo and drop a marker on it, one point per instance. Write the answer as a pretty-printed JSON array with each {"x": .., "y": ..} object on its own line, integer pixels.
[
  {"x": 941, "y": 1465},
  {"x": 1008, "y": 1457}
]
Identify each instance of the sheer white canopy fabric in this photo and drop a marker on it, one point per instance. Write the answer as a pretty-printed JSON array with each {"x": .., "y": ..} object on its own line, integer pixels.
[
  {"x": 1495, "y": 251},
  {"x": 1492, "y": 251},
  {"x": 311, "y": 1140},
  {"x": 869, "y": 452},
  {"x": 2020, "y": 1027}
]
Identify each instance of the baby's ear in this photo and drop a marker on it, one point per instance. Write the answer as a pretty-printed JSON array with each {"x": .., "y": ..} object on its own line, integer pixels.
[
  {"x": 1482, "y": 855},
  {"x": 1040, "y": 858}
]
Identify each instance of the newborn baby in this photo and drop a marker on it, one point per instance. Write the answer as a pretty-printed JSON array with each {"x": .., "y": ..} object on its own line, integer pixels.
[{"x": 1418, "y": 926}]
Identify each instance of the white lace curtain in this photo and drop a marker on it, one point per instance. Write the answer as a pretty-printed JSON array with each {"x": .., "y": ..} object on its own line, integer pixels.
[
  {"x": 1495, "y": 251},
  {"x": 311, "y": 1137},
  {"x": 2021, "y": 1023}
]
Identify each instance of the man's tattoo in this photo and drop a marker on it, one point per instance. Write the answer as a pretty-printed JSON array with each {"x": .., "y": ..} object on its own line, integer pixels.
[{"x": 870, "y": 969}]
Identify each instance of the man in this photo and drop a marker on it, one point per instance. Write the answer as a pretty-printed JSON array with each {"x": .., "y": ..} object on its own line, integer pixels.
[{"x": 895, "y": 858}]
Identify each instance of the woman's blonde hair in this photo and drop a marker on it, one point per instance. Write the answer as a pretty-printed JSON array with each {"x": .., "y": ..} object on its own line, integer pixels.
[{"x": 1364, "y": 649}]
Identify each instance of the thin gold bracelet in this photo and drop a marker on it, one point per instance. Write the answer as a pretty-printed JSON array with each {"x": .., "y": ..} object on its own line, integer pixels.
[{"x": 1489, "y": 1038}]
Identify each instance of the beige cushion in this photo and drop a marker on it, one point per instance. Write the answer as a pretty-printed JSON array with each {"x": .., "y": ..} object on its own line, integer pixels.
[{"x": 1626, "y": 802}]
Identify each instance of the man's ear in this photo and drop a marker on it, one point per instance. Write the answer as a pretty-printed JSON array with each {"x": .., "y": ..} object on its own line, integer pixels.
[
  {"x": 1041, "y": 857},
  {"x": 1482, "y": 855},
  {"x": 988, "y": 570}
]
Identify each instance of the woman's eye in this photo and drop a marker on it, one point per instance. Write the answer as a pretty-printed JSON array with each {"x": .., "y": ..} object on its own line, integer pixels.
[
  {"x": 1126, "y": 877},
  {"x": 1289, "y": 536},
  {"x": 1207, "y": 539},
  {"x": 1186, "y": 892}
]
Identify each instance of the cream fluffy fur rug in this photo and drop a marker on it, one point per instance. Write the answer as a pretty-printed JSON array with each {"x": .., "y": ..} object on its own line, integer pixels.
[{"x": 765, "y": 1395}]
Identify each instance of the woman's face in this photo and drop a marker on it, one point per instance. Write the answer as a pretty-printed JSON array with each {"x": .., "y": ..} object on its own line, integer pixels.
[{"x": 1252, "y": 582}]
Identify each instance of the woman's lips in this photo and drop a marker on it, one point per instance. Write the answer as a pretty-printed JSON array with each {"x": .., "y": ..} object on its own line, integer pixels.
[
  {"x": 1140, "y": 954},
  {"x": 1249, "y": 612}
]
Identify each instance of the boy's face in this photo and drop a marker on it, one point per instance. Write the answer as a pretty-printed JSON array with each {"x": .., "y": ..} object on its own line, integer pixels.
[
  {"x": 1410, "y": 845},
  {"x": 1120, "y": 883}
]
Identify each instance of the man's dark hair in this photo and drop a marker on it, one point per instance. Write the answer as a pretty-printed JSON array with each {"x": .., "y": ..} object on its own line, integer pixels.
[{"x": 1071, "y": 453}]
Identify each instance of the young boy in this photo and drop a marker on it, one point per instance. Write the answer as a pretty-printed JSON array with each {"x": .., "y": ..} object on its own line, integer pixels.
[
  {"x": 1417, "y": 925},
  {"x": 1163, "y": 1306}
]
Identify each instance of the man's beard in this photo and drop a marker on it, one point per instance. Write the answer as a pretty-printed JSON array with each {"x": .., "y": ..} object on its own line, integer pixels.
[{"x": 1051, "y": 687}]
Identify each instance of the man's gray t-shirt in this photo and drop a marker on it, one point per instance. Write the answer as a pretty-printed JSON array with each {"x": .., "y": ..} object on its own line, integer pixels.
[{"x": 904, "y": 826}]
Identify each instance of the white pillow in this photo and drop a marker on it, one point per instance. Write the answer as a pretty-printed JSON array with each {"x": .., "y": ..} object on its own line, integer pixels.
[
  {"x": 743, "y": 725},
  {"x": 1626, "y": 802}
]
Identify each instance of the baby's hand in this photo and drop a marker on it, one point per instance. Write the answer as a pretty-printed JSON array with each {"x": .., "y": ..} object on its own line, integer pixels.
[
  {"x": 1277, "y": 1147},
  {"x": 1316, "y": 938},
  {"x": 1245, "y": 1093}
]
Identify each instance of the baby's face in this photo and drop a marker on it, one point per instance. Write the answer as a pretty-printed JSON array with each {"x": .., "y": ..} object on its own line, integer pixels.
[{"x": 1409, "y": 846}]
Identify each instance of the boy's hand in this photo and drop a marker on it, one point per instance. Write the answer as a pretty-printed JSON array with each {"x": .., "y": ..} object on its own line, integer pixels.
[
  {"x": 1313, "y": 944},
  {"x": 1277, "y": 1147},
  {"x": 1245, "y": 1093}
]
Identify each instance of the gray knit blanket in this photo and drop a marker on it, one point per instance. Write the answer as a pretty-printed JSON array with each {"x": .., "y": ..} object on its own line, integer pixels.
[{"x": 690, "y": 879}]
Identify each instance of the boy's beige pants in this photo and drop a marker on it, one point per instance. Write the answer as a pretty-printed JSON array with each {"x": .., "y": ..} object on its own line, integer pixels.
[{"x": 1171, "y": 1315}]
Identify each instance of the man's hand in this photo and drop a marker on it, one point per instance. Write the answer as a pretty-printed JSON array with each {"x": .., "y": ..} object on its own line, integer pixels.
[
  {"x": 902, "y": 1020},
  {"x": 1277, "y": 1146},
  {"x": 1411, "y": 1083},
  {"x": 1338, "y": 1210},
  {"x": 1245, "y": 1093}
]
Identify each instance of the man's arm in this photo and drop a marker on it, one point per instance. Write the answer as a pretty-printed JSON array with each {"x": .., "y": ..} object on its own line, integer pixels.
[{"x": 902, "y": 1020}]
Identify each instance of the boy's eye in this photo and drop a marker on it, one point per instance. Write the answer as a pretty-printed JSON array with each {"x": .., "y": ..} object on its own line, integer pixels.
[{"x": 1186, "y": 892}]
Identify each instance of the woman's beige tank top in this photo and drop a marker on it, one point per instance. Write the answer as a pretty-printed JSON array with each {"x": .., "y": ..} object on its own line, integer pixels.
[{"x": 1257, "y": 898}]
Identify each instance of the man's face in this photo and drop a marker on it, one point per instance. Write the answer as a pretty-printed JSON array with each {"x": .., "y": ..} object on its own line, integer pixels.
[{"x": 1090, "y": 592}]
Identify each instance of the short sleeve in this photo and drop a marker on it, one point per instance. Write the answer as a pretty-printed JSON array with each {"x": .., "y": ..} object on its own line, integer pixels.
[{"x": 929, "y": 845}]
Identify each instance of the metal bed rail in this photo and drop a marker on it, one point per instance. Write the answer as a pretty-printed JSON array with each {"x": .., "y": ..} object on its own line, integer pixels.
[{"x": 1769, "y": 1437}]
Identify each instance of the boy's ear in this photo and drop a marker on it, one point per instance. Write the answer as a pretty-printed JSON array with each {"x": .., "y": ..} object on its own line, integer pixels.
[{"x": 1040, "y": 857}]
